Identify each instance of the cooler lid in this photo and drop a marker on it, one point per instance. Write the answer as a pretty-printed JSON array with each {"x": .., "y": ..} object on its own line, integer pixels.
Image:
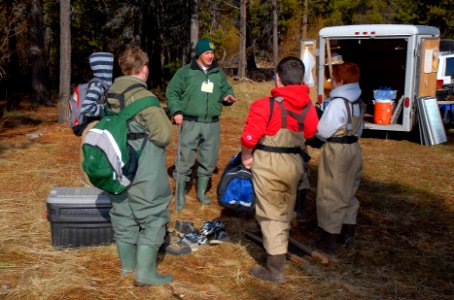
[{"x": 78, "y": 195}]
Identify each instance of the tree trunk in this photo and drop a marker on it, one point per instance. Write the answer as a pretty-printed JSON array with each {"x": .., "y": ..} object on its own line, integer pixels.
[
  {"x": 275, "y": 41},
  {"x": 304, "y": 27},
  {"x": 250, "y": 56},
  {"x": 40, "y": 93},
  {"x": 194, "y": 33},
  {"x": 242, "y": 52},
  {"x": 65, "y": 59}
]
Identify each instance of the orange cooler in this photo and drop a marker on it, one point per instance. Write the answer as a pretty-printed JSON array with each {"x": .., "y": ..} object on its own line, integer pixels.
[{"x": 383, "y": 112}]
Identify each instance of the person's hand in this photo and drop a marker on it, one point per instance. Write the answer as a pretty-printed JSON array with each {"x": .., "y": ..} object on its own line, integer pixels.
[
  {"x": 178, "y": 119},
  {"x": 246, "y": 159},
  {"x": 230, "y": 99}
]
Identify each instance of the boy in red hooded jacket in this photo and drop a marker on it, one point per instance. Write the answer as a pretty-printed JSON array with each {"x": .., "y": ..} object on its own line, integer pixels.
[{"x": 273, "y": 146}]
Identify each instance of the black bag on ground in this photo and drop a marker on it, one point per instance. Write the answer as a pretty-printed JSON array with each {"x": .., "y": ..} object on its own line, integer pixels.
[{"x": 235, "y": 190}]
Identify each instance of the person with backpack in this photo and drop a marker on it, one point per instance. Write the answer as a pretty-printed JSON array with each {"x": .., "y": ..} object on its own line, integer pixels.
[
  {"x": 339, "y": 170},
  {"x": 139, "y": 215},
  {"x": 195, "y": 96},
  {"x": 95, "y": 95},
  {"x": 273, "y": 147}
]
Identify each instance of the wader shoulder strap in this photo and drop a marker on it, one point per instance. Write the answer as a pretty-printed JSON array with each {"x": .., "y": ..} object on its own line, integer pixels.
[
  {"x": 349, "y": 112},
  {"x": 349, "y": 115},
  {"x": 271, "y": 110},
  {"x": 300, "y": 117}
]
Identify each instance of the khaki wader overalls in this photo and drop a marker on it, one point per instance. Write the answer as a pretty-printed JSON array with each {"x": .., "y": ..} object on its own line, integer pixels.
[
  {"x": 277, "y": 170},
  {"x": 339, "y": 176}
]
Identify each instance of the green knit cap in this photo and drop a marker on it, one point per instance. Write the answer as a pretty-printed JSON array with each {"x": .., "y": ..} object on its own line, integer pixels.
[{"x": 203, "y": 45}]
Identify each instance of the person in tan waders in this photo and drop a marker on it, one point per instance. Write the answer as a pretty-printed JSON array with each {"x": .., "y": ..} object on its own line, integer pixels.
[
  {"x": 272, "y": 146},
  {"x": 340, "y": 166}
]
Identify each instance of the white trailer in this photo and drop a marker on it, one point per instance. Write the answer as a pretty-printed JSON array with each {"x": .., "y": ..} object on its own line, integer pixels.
[{"x": 400, "y": 57}]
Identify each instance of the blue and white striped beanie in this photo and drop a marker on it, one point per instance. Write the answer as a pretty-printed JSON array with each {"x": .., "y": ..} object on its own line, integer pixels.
[{"x": 101, "y": 63}]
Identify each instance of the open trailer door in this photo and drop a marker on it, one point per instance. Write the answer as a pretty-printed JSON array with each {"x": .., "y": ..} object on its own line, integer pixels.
[
  {"x": 430, "y": 122},
  {"x": 428, "y": 67}
]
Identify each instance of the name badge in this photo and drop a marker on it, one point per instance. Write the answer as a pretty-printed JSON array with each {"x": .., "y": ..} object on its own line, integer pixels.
[{"x": 207, "y": 87}]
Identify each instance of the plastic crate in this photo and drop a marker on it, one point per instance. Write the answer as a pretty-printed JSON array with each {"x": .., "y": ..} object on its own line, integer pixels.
[{"x": 79, "y": 217}]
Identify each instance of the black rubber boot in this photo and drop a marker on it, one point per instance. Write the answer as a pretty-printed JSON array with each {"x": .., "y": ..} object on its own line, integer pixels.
[
  {"x": 202, "y": 185},
  {"x": 181, "y": 195},
  {"x": 347, "y": 235},
  {"x": 300, "y": 204},
  {"x": 273, "y": 270},
  {"x": 327, "y": 242}
]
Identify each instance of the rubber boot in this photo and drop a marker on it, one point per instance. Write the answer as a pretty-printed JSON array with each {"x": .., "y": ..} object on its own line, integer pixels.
[
  {"x": 181, "y": 196},
  {"x": 300, "y": 204},
  {"x": 273, "y": 270},
  {"x": 146, "y": 267},
  {"x": 202, "y": 184},
  {"x": 347, "y": 235},
  {"x": 128, "y": 257},
  {"x": 327, "y": 242}
]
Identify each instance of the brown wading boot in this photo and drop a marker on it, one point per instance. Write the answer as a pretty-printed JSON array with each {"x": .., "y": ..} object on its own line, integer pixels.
[
  {"x": 273, "y": 270},
  {"x": 347, "y": 235},
  {"x": 327, "y": 242}
]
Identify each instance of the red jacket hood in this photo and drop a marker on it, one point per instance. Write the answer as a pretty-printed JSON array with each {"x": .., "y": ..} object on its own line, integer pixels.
[
  {"x": 258, "y": 124},
  {"x": 295, "y": 96}
]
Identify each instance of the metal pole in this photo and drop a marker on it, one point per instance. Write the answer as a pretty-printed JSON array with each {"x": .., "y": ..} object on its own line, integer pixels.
[{"x": 178, "y": 165}]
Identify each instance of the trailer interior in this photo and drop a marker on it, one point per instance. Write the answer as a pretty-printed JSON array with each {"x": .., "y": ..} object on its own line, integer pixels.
[{"x": 382, "y": 64}]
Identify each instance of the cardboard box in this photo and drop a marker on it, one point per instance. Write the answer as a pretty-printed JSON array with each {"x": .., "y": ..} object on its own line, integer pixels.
[{"x": 79, "y": 217}]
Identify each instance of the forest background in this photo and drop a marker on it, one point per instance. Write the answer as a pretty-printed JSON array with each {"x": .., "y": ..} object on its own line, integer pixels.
[
  {"x": 406, "y": 220},
  {"x": 31, "y": 39}
]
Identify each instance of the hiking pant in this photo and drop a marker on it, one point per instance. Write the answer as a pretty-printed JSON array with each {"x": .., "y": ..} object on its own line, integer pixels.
[
  {"x": 339, "y": 175},
  {"x": 197, "y": 138},
  {"x": 140, "y": 214},
  {"x": 276, "y": 177}
]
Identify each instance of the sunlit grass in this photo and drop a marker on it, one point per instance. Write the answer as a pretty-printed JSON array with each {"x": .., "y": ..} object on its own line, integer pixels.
[{"x": 404, "y": 242}]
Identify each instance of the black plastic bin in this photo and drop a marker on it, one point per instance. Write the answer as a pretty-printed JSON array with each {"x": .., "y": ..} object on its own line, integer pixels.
[{"x": 79, "y": 217}]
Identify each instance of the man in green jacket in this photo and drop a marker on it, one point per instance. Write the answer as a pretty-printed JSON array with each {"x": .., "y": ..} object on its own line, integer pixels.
[
  {"x": 195, "y": 97},
  {"x": 140, "y": 214}
]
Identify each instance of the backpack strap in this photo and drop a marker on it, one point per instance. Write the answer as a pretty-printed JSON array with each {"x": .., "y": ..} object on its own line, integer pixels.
[
  {"x": 135, "y": 107},
  {"x": 101, "y": 100},
  {"x": 121, "y": 96}
]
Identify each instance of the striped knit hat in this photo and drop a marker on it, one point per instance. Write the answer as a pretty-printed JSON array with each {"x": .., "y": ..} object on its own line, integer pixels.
[{"x": 101, "y": 63}]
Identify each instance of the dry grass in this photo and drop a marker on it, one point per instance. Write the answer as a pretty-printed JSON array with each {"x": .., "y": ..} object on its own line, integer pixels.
[{"x": 405, "y": 234}]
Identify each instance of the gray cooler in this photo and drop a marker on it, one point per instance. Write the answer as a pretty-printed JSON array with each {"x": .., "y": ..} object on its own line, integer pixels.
[{"x": 79, "y": 217}]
